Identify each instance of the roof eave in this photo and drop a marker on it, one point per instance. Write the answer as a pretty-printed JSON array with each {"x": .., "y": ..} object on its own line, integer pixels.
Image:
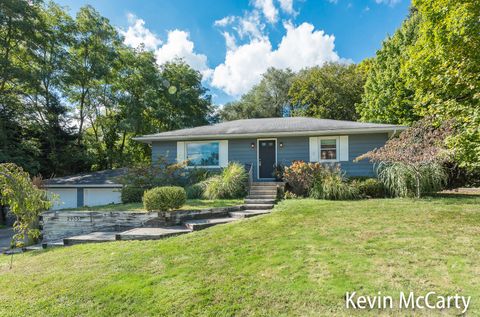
[{"x": 150, "y": 139}]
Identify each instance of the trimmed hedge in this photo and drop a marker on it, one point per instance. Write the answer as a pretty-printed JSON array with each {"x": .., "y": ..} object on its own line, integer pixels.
[
  {"x": 164, "y": 198},
  {"x": 131, "y": 194}
]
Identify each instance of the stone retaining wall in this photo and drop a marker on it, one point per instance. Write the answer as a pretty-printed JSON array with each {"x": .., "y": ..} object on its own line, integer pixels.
[{"x": 59, "y": 224}]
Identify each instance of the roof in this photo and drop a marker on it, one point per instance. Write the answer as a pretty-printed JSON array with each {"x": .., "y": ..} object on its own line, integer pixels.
[
  {"x": 271, "y": 127},
  {"x": 106, "y": 178}
]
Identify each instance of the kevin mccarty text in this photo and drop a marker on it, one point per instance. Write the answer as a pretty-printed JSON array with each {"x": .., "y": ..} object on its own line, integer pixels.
[{"x": 410, "y": 300}]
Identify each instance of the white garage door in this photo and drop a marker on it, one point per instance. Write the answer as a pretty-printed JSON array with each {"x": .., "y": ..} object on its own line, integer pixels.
[
  {"x": 66, "y": 198},
  {"x": 101, "y": 196}
]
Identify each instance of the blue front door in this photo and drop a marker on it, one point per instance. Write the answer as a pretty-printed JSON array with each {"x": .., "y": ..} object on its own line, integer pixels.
[{"x": 266, "y": 158}]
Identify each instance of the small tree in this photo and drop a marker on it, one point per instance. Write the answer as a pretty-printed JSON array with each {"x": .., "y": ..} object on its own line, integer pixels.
[
  {"x": 412, "y": 163},
  {"x": 24, "y": 199}
]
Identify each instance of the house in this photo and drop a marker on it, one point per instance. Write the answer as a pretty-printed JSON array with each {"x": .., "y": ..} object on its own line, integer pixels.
[
  {"x": 267, "y": 142},
  {"x": 89, "y": 189}
]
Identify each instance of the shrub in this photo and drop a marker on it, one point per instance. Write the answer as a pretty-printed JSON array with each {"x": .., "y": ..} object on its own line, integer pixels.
[
  {"x": 404, "y": 180},
  {"x": 161, "y": 173},
  {"x": 332, "y": 185},
  {"x": 231, "y": 183},
  {"x": 164, "y": 198},
  {"x": 131, "y": 194},
  {"x": 195, "y": 191},
  {"x": 370, "y": 188},
  {"x": 299, "y": 176},
  {"x": 289, "y": 195},
  {"x": 197, "y": 175}
]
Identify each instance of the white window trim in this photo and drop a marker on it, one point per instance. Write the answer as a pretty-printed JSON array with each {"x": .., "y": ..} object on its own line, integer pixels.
[
  {"x": 183, "y": 154},
  {"x": 337, "y": 148}
]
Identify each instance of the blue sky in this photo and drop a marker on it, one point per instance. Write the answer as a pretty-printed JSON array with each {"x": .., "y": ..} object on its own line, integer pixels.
[{"x": 233, "y": 42}]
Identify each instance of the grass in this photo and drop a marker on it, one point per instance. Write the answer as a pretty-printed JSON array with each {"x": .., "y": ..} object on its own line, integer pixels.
[
  {"x": 192, "y": 204},
  {"x": 299, "y": 260}
]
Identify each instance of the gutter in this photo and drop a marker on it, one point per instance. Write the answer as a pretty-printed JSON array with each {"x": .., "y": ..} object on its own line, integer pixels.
[{"x": 149, "y": 139}]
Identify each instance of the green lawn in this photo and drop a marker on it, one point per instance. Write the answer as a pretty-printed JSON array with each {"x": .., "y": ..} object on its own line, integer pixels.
[
  {"x": 192, "y": 204},
  {"x": 299, "y": 260}
]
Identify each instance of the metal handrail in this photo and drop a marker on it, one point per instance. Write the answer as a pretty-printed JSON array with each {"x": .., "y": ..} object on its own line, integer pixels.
[{"x": 250, "y": 176}]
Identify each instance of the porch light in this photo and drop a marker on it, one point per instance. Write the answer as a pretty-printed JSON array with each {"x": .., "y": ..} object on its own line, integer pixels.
[
  {"x": 280, "y": 144},
  {"x": 252, "y": 145}
]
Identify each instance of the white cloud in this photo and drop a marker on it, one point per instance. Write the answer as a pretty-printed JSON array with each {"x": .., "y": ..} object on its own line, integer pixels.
[
  {"x": 388, "y": 2},
  {"x": 225, "y": 21},
  {"x": 287, "y": 6},
  {"x": 178, "y": 45},
  {"x": 268, "y": 9},
  {"x": 137, "y": 34},
  {"x": 300, "y": 47}
]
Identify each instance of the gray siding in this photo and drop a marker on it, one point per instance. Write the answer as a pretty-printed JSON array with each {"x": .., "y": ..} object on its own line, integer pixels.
[
  {"x": 167, "y": 150},
  {"x": 360, "y": 144},
  {"x": 240, "y": 150},
  {"x": 80, "y": 197},
  {"x": 294, "y": 148}
]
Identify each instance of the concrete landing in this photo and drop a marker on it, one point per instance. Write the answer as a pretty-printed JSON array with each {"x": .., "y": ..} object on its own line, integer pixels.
[
  {"x": 151, "y": 233},
  {"x": 94, "y": 237}
]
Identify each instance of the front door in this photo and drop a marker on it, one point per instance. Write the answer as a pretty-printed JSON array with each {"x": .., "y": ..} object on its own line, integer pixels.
[{"x": 266, "y": 158}]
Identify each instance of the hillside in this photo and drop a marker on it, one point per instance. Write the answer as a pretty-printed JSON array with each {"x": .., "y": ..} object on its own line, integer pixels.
[{"x": 299, "y": 260}]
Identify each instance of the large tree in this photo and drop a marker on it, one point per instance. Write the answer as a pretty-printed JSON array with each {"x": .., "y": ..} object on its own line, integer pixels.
[
  {"x": 330, "y": 91},
  {"x": 269, "y": 98},
  {"x": 386, "y": 98}
]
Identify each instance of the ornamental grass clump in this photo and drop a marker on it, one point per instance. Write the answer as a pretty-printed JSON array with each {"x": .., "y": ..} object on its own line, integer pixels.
[
  {"x": 231, "y": 183},
  {"x": 333, "y": 185},
  {"x": 412, "y": 164},
  {"x": 164, "y": 198}
]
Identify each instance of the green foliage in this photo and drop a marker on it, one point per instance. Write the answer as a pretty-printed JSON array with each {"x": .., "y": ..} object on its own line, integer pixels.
[
  {"x": 267, "y": 99},
  {"x": 386, "y": 97},
  {"x": 299, "y": 176},
  {"x": 195, "y": 191},
  {"x": 332, "y": 185},
  {"x": 131, "y": 194},
  {"x": 164, "y": 198},
  {"x": 231, "y": 183},
  {"x": 369, "y": 188},
  {"x": 402, "y": 180},
  {"x": 24, "y": 199},
  {"x": 79, "y": 70},
  {"x": 330, "y": 92},
  {"x": 161, "y": 173},
  {"x": 196, "y": 175}
]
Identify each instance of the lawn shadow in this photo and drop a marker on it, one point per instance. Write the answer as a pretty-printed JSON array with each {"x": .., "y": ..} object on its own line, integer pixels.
[{"x": 454, "y": 198}]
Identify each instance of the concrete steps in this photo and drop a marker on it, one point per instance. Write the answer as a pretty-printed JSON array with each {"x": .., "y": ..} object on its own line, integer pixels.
[
  {"x": 248, "y": 213},
  {"x": 200, "y": 224},
  {"x": 94, "y": 237},
  {"x": 151, "y": 233}
]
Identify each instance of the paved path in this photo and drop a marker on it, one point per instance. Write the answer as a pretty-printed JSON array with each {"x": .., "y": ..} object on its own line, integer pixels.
[{"x": 5, "y": 238}]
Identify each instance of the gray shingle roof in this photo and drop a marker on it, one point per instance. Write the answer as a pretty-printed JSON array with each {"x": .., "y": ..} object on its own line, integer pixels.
[
  {"x": 106, "y": 177},
  {"x": 270, "y": 127}
]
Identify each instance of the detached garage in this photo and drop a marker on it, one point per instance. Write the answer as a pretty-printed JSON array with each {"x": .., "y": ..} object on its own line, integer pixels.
[{"x": 90, "y": 189}]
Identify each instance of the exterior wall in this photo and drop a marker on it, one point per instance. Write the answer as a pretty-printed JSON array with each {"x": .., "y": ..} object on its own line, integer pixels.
[{"x": 294, "y": 148}]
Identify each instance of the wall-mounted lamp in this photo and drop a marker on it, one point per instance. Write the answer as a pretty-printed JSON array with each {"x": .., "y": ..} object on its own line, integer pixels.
[
  {"x": 252, "y": 145},
  {"x": 281, "y": 144}
]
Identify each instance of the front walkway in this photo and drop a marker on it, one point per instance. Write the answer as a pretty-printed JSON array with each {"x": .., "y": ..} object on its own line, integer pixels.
[{"x": 5, "y": 238}]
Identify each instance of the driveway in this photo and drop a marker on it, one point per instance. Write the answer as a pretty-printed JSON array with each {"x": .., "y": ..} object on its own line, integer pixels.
[{"x": 5, "y": 237}]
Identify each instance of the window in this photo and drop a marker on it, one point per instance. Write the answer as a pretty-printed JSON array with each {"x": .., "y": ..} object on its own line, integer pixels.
[
  {"x": 203, "y": 154},
  {"x": 328, "y": 149}
]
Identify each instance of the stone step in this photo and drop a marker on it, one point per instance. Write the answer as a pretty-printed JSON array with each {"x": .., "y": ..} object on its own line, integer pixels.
[
  {"x": 263, "y": 187},
  {"x": 200, "y": 224},
  {"x": 152, "y": 233},
  {"x": 266, "y": 183},
  {"x": 258, "y": 206},
  {"x": 263, "y": 192},
  {"x": 248, "y": 213},
  {"x": 259, "y": 201},
  {"x": 263, "y": 196},
  {"x": 94, "y": 237}
]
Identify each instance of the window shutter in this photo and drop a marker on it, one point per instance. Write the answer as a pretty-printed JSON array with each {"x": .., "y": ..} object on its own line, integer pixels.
[
  {"x": 180, "y": 152},
  {"x": 223, "y": 153},
  {"x": 314, "y": 156},
  {"x": 343, "y": 148}
]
